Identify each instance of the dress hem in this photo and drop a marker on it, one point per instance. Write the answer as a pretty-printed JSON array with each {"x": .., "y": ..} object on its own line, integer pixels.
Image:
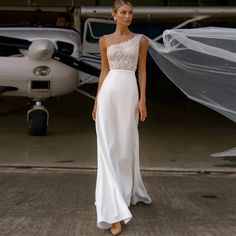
[{"x": 106, "y": 224}]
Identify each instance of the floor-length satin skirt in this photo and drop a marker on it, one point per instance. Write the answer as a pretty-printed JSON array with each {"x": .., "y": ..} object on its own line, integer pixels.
[{"x": 119, "y": 181}]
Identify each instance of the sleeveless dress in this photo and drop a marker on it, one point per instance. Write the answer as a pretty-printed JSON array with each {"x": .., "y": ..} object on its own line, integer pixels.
[{"x": 119, "y": 181}]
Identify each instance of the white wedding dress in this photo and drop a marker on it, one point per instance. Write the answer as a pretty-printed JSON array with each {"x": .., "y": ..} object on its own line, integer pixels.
[{"x": 119, "y": 181}]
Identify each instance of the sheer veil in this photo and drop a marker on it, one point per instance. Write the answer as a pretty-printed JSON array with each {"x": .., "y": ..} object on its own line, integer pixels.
[{"x": 201, "y": 62}]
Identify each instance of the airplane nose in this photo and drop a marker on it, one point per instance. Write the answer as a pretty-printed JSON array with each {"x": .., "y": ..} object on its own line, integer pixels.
[{"x": 41, "y": 49}]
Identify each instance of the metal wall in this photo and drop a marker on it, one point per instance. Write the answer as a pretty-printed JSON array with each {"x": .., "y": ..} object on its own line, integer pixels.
[
  {"x": 109, "y": 2},
  {"x": 46, "y": 2}
]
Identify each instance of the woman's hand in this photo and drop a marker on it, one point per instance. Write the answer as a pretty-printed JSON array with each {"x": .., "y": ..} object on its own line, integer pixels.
[
  {"x": 142, "y": 109},
  {"x": 94, "y": 111}
]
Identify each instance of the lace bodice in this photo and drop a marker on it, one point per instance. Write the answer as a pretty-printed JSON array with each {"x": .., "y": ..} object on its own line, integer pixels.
[{"x": 124, "y": 55}]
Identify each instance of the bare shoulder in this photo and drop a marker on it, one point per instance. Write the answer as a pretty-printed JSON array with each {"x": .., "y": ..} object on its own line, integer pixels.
[
  {"x": 143, "y": 40},
  {"x": 108, "y": 36},
  {"x": 104, "y": 39}
]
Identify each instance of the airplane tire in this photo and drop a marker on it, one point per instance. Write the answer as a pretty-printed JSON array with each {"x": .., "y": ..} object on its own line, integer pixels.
[{"x": 37, "y": 123}]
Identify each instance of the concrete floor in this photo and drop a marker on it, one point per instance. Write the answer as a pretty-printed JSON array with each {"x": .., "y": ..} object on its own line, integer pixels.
[
  {"x": 61, "y": 203},
  {"x": 178, "y": 135}
]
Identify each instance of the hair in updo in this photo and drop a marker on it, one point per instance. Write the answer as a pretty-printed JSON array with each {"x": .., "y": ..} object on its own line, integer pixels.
[{"x": 119, "y": 3}]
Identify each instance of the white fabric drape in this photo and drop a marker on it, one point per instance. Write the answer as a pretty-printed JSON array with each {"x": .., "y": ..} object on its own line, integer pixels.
[{"x": 201, "y": 62}]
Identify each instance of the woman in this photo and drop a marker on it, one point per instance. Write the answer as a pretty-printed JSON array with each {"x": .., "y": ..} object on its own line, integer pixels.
[{"x": 117, "y": 109}]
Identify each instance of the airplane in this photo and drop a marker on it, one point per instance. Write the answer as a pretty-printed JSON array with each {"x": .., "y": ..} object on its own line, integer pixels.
[
  {"x": 43, "y": 62},
  {"x": 40, "y": 63}
]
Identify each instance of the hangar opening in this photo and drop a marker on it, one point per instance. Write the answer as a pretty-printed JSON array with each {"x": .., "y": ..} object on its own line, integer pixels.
[{"x": 176, "y": 129}]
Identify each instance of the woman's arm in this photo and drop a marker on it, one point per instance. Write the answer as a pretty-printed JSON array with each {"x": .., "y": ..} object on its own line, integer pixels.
[
  {"x": 142, "y": 109},
  {"x": 104, "y": 70}
]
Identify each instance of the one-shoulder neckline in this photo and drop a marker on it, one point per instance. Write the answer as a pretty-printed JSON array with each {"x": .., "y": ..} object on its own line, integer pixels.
[{"x": 115, "y": 44}]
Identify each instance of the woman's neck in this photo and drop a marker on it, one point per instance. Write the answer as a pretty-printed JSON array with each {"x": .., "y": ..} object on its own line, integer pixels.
[{"x": 122, "y": 30}]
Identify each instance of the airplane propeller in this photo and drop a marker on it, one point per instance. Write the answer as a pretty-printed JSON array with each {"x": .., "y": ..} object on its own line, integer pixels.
[
  {"x": 55, "y": 54},
  {"x": 14, "y": 42}
]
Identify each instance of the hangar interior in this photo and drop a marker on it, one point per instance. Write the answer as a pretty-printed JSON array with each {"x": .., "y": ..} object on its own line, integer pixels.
[{"x": 179, "y": 133}]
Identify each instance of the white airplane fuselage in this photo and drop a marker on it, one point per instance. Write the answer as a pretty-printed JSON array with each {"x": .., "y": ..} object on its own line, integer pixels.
[{"x": 19, "y": 70}]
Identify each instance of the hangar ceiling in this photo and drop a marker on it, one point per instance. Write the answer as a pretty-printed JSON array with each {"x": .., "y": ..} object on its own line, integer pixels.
[{"x": 108, "y": 2}]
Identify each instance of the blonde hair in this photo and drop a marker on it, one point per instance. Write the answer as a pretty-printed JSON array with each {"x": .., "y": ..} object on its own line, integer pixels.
[{"x": 119, "y": 3}]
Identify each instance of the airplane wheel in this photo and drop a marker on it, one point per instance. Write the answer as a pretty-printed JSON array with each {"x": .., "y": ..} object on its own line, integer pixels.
[{"x": 37, "y": 123}]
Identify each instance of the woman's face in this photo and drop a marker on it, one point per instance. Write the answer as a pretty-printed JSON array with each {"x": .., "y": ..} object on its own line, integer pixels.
[{"x": 124, "y": 15}]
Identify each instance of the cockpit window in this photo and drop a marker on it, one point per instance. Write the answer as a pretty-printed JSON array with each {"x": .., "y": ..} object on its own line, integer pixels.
[
  {"x": 8, "y": 51},
  {"x": 64, "y": 47},
  {"x": 97, "y": 29}
]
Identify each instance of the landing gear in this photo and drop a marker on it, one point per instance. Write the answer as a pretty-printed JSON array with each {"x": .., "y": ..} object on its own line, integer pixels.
[{"x": 37, "y": 120}]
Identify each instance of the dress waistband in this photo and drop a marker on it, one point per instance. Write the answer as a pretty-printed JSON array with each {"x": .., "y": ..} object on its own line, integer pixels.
[{"x": 120, "y": 70}]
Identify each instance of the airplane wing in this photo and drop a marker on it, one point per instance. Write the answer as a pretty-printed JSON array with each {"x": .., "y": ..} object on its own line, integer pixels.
[{"x": 55, "y": 54}]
